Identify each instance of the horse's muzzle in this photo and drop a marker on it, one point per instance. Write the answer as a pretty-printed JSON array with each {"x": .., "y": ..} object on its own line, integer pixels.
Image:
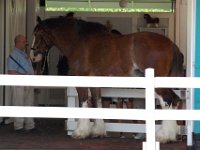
[{"x": 35, "y": 55}]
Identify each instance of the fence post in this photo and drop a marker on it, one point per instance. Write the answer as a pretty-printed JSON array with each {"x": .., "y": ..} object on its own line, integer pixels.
[{"x": 150, "y": 143}]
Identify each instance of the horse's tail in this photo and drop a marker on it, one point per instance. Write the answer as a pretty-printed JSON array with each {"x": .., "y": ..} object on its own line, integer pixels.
[{"x": 177, "y": 68}]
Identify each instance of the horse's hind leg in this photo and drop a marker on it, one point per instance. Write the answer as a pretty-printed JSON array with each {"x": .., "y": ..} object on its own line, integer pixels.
[
  {"x": 169, "y": 128},
  {"x": 83, "y": 129},
  {"x": 98, "y": 129}
]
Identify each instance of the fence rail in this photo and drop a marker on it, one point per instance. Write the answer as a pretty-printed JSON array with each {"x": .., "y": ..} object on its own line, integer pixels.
[{"x": 149, "y": 82}]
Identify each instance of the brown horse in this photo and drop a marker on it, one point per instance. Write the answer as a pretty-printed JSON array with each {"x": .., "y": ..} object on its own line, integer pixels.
[{"x": 92, "y": 50}]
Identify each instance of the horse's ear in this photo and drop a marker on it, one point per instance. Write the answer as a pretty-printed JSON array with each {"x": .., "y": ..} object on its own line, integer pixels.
[{"x": 39, "y": 19}]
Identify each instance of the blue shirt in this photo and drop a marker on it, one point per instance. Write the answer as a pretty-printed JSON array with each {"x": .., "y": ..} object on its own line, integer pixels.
[{"x": 22, "y": 58}]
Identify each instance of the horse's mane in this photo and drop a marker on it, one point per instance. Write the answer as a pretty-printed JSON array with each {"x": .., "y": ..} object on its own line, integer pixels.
[
  {"x": 82, "y": 27},
  {"x": 85, "y": 27}
]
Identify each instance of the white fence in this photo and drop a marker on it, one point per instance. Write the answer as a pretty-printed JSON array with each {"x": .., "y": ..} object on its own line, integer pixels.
[{"x": 149, "y": 82}]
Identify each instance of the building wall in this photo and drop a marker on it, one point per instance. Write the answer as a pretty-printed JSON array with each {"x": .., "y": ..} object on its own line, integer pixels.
[{"x": 181, "y": 27}]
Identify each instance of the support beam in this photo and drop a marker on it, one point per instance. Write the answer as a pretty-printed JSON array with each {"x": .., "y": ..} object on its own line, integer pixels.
[{"x": 196, "y": 136}]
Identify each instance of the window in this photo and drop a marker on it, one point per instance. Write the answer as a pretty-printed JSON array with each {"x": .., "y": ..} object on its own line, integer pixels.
[{"x": 110, "y": 5}]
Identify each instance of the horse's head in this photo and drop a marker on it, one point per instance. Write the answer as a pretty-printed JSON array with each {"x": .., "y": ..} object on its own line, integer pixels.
[{"x": 42, "y": 41}]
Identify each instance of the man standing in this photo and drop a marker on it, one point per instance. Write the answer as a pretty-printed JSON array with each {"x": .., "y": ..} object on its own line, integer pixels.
[{"x": 18, "y": 63}]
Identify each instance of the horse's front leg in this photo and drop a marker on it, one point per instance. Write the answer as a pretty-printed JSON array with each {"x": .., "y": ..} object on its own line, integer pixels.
[
  {"x": 169, "y": 128},
  {"x": 98, "y": 129},
  {"x": 83, "y": 129}
]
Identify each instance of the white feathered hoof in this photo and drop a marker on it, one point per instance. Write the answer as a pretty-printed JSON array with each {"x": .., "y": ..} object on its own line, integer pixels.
[
  {"x": 83, "y": 129},
  {"x": 160, "y": 137},
  {"x": 167, "y": 132},
  {"x": 98, "y": 129},
  {"x": 80, "y": 134}
]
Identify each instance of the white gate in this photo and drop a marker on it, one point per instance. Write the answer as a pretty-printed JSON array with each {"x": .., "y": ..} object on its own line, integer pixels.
[{"x": 149, "y": 82}]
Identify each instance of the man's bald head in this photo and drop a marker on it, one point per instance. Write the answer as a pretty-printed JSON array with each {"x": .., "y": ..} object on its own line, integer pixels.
[{"x": 20, "y": 42}]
